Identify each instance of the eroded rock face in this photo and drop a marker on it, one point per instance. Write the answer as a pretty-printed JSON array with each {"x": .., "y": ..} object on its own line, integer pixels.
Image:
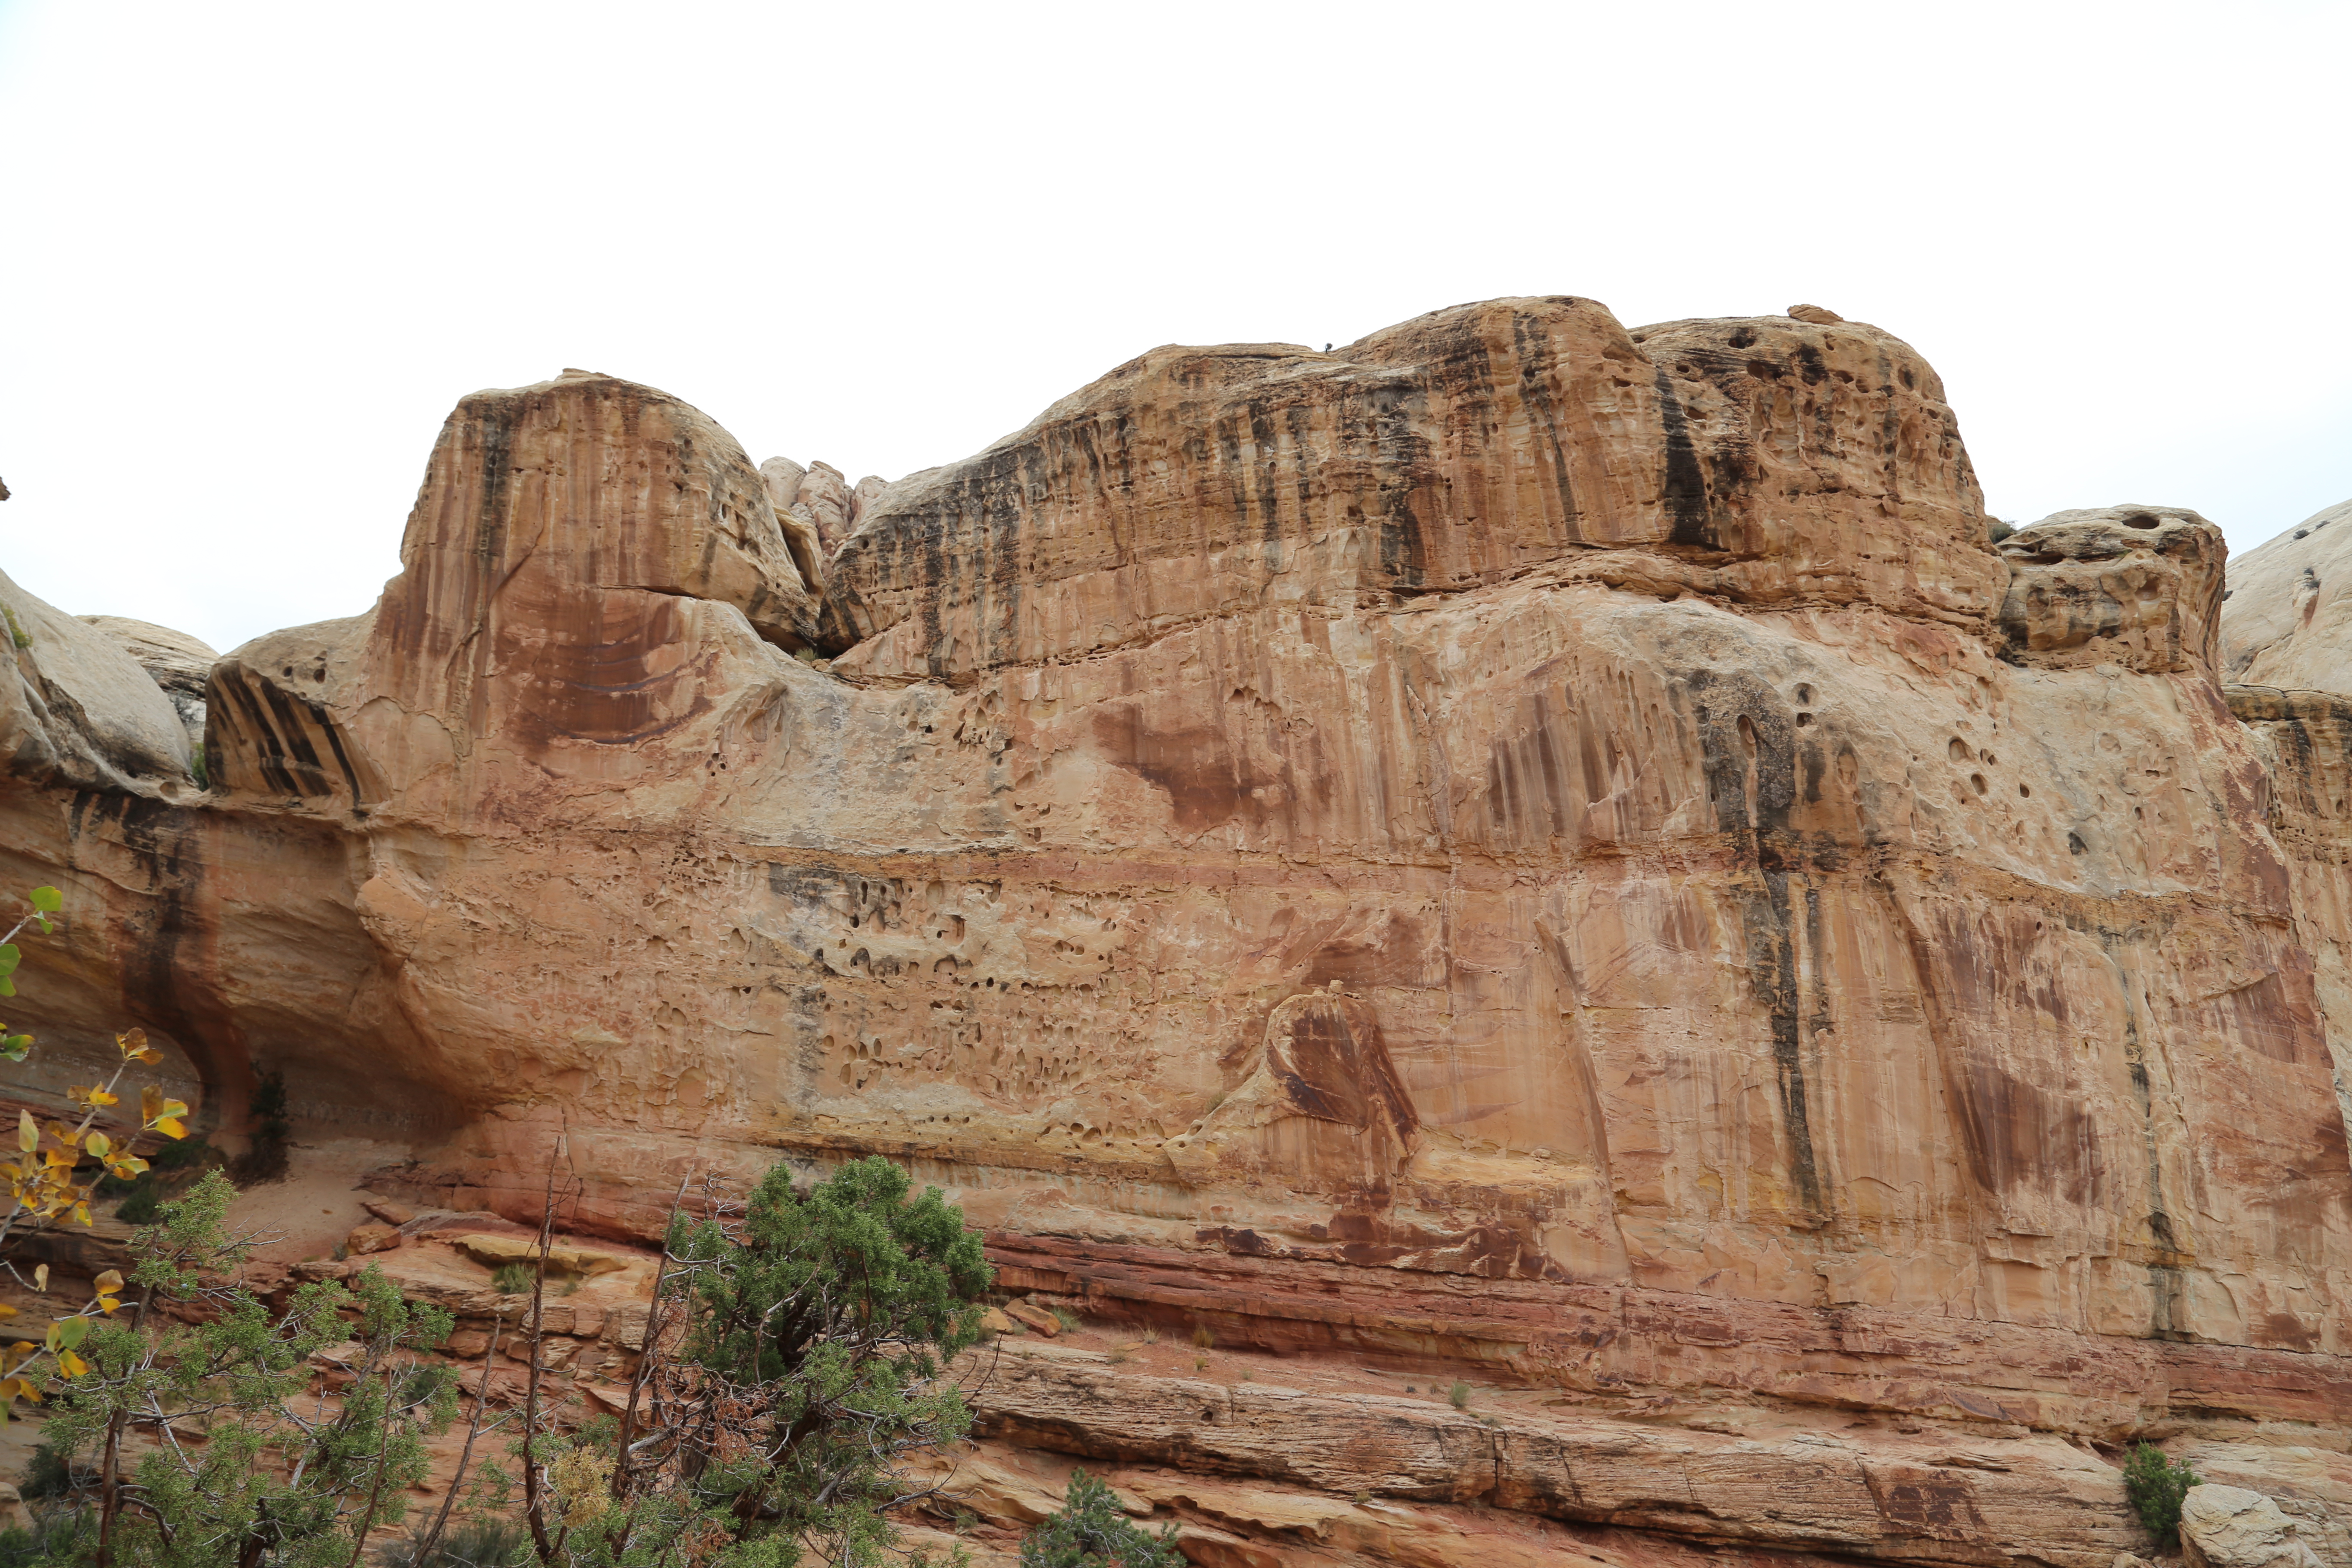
[
  {"x": 1768, "y": 461},
  {"x": 2288, "y": 622},
  {"x": 1518, "y": 844},
  {"x": 2135, "y": 586}
]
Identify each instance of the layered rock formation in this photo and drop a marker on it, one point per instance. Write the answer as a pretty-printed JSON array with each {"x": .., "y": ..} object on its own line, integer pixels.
[{"x": 1515, "y": 845}]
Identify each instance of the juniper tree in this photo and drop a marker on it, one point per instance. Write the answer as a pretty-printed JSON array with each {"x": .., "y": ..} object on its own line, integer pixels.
[
  {"x": 283, "y": 1476},
  {"x": 1092, "y": 1532},
  {"x": 794, "y": 1358},
  {"x": 2158, "y": 1486}
]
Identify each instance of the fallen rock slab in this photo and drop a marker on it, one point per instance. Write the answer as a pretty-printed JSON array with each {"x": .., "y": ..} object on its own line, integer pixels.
[
  {"x": 1036, "y": 1317},
  {"x": 2230, "y": 1527}
]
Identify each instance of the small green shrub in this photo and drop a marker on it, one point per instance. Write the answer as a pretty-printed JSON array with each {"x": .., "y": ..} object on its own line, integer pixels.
[
  {"x": 1995, "y": 529},
  {"x": 1204, "y": 1337},
  {"x": 170, "y": 1169},
  {"x": 272, "y": 1134},
  {"x": 512, "y": 1278},
  {"x": 465, "y": 1543},
  {"x": 57, "y": 1536},
  {"x": 52, "y": 1472},
  {"x": 1460, "y": 1394},
  {"x": 1092, "y": 1532},
  {"x": 1069, "y": 1320},
  {"x": 2156, "y": 1487},
  {"x": 15, "y": 632}
]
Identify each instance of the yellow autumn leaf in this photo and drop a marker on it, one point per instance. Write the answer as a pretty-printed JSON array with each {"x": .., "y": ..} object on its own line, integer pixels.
[
  {"x": 81, "y": 1215},
  {"x": 29, "y": 1132},
  {"x": 7, "y": 1311},
  {"x": 131, "y": 1042},
  {"x": 40, "y": 1276},
  {"x": 71, "y": 1364},
  {"x": 97, "y": 1144}
]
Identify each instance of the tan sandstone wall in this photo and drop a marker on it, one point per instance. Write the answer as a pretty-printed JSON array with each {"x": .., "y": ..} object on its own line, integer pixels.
[{"x": 1514, "y": 843}]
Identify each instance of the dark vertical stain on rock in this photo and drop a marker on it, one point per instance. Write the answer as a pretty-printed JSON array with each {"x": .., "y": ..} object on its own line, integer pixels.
[
  {"x": 1747, "y": 745},
  {"x": 1536, "y": 361},
  {"x": 1684, "y": 490}
]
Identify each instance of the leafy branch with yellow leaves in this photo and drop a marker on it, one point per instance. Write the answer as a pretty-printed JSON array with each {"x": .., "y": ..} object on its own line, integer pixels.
[{"x": 45, "y": 1179}]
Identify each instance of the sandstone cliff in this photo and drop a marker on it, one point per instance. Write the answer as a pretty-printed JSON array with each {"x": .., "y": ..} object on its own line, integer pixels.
[{"x": 1514, "y": 846}]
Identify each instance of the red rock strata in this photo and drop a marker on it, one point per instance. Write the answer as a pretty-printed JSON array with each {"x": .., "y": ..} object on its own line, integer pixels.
[{"x": 1513, "y": 846}]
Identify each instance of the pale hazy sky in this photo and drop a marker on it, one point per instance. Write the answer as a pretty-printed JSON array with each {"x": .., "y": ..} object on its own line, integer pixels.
[{"x": 252, "y": 253}]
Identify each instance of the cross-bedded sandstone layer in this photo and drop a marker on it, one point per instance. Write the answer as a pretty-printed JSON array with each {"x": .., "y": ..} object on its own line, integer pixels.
[{"x": 1512, "y": 845}]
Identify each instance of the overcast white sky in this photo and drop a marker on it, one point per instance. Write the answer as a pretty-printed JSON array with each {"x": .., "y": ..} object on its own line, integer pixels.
[{"x": 252, "y": 253}]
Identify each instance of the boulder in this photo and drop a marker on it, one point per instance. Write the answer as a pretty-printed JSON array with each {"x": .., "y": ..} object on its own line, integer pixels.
[
  {"x": 1033, "y": 1318},
  {"x": 77, "y": 711},
  {"x": 469, "y": 1345},
  {"x": 824, "y": 499},
  {"x": 180, "y": 664},
  {"x": 2230, "y": 1527},
  {"x": 366, "y": 1239},
  {"x": 783, "y": 478}
]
